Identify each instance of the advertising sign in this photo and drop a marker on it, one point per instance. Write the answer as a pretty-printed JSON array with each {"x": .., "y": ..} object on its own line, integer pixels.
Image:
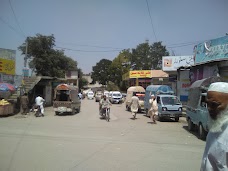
[
  {"x": 140, "y": 74},
  {"x": 183, "y": 85},
  {"x": 7, "y": 61},
  {"x": 172, "y": 63},
  {"x": 212, "y": 50}
]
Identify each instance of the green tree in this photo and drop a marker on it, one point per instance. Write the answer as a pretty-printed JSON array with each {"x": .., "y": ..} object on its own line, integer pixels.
[
  {"x": 101, "y": 71},
  {"x": 119, "y": 66},
  {"x": 157, "y": 50},
  {"x": 45, "y": 60},
  {"x": 146, "y": 57}
]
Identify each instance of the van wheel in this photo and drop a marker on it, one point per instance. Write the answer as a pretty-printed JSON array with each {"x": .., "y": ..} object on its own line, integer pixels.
[
  {"x": 57, "y": 113},
  {"x": 146, "y": 112},
  {"x": 160, "y": 118},
  {"x": 202, "y": 133},
  {"x": 177, "y": 119},
  {"x": 190, "y": 125}
]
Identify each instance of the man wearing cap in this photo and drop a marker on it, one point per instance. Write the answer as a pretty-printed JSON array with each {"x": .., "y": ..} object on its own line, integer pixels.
[
  {"x": 154, "y": 108},
  {"x": 215, "y": 156},
  {"x": 134, "y": 105}
]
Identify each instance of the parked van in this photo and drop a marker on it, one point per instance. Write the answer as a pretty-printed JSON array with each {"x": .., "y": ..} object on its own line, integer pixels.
[
  {"x": 115, "y": 97},
  {"x": 169, "y": 106},
  {"x": 139, "y": 91},
  {"x": 155, "y": 89},
  {"x": 66, "y": 99},
  {"x": 196, "y": 109}
]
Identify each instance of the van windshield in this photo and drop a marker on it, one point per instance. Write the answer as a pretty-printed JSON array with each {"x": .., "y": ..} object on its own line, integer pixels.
[{"x": 171, "y": 101}]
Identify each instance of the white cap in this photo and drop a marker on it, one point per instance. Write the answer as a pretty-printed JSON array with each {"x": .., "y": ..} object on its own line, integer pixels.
[
  {"x": 152, "y": 95},
  {"x": 219, "y": 87}
]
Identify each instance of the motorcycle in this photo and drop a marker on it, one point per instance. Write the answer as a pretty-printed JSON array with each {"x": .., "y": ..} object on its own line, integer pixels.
[{"x": 37, "y": 111}]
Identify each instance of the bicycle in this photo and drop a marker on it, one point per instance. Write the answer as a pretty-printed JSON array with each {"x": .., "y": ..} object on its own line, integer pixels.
[{"x": 106, "y": 113}]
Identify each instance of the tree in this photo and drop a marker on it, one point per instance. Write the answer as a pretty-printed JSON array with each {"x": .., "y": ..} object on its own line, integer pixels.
[
  {"x": 120, "y": 65},
  {"x": 146, "y": 57},
  {"x": 157, "y": 50},
  {"x": 45, "y": 60},
  {"x": 101, "y": 72}
]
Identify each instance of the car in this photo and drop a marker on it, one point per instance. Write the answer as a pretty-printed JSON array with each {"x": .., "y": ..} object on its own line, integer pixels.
[
  {"x": 90, "y": 95},
  {"x": 98, "y": 96},
  {"x": 115, "y": 97}
]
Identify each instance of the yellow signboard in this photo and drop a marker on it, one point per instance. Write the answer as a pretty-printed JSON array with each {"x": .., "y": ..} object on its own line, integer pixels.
[
  {"x": 7, "y": 66},
  {"x": 140, "y": 74}
]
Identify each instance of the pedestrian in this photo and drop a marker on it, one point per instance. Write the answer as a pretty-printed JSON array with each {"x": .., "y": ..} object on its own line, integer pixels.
[
  {"x": 40, "y": 103},
  {"x": 215, "y": 155},
  {"x": 134, "y": 105},
  {"x": 153, "y": 112},
  {"x": 24, "y": 104}
]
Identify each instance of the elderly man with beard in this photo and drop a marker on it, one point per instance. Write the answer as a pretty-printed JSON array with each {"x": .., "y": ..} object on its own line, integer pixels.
[{"x": 215, "y": 156}]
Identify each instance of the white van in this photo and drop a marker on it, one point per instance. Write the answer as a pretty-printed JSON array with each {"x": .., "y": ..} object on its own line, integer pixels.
[
  {"x": 90, "y": 95},
  {"x": 115, "y": 97}
]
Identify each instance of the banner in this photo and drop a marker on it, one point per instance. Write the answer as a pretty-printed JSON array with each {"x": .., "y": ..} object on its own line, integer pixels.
[
  {"x": 7, "y": 66},
  {"x": 7, "y": 61},
  {"x": 140, "y": 74},
  {"x": 172, "y": 63},
  {"x": 212, "y": 50}
]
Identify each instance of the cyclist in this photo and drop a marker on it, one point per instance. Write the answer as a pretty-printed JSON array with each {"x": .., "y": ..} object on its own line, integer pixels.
[{"x": 104, "y": 103}]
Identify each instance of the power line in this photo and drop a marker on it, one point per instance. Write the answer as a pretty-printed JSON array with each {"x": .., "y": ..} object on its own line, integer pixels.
[
  {"x": 11, "y": 27},
  {"x": 151, "y": 21},
  {"x": 95, "y": 46},
  {"x": 15, "y": 17},
  {"x": 78, "y": 50}
]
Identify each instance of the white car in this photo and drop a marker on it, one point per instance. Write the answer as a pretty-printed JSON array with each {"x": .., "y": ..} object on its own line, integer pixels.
[{"x": 90, "y": 95}]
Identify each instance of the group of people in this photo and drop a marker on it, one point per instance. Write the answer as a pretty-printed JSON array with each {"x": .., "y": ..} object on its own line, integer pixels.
[
  {"x": 39, "y": 103},
  {"x": 153, "y": 112}
]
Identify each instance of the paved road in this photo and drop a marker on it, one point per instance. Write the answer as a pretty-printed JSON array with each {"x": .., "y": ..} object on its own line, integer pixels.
[{"x": 84, "y": 142}]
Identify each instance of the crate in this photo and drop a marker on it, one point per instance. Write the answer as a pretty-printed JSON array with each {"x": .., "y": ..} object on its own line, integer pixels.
[{"x": 6, "y": 109}]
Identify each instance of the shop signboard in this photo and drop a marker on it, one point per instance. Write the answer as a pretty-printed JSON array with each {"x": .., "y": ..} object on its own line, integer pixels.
[
  {"x": 172, "y": 63},
  {"x": 212, "y": 50},
  {"x": 140, "y": 74}
]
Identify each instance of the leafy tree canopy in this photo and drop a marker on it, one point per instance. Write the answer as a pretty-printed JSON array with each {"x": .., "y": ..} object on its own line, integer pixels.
[
  {"x": 101, "y": 71},
  {"x": 45, "y": 60}
]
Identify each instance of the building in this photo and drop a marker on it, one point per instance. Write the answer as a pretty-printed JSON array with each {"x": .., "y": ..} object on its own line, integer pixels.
[{"x": 145, "y": 77}]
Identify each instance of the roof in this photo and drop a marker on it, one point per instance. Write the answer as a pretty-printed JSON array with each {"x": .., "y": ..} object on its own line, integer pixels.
[
  {"x": 158, "y": 73},
  {"x": 65, "y": 87},
  {"x": 136, "y": 89},
  {"x": 205, "y": 83}
]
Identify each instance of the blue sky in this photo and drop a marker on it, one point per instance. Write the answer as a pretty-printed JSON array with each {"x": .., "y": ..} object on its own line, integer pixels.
[{"x": 90, "y": 27}]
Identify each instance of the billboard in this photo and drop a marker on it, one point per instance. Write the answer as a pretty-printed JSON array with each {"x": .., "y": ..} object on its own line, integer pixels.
[
  {"x": 140, "y": 74},
  {"x": 7, "y": 61},
  {"x": 172, "y": 63},
  {"x": 212, "y": 50}
]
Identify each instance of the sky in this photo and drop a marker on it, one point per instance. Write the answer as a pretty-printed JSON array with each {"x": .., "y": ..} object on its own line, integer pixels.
[{"x": 91, "y": 30}]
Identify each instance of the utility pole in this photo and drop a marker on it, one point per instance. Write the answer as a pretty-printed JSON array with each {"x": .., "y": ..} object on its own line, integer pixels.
[{"x": 26, "y": 52}]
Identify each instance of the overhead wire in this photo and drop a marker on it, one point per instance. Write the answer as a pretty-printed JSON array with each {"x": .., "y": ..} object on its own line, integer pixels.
[
  {"x": 94, "y": 46},
  {"x": 15, "y": 17},
  {"x": 151, "y": 20},
  {"x": 11, "y": 27},
  {"x": 78, "y": 50}
]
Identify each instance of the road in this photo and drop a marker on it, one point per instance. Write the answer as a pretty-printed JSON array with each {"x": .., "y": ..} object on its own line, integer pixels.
[{"x": 84, "y": 142}]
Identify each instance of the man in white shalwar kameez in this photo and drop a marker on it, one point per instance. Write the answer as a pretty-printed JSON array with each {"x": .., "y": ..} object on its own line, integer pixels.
[
  {"x": 215, "y": 157},
  {"x": 134, "y": 105}
]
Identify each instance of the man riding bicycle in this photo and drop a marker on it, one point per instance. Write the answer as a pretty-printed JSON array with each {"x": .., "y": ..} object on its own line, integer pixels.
[{"x": 104, "y": 103}]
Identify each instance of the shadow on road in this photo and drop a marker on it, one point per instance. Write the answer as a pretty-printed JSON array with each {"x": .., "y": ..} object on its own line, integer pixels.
[{"x": 194, "y": 132}]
